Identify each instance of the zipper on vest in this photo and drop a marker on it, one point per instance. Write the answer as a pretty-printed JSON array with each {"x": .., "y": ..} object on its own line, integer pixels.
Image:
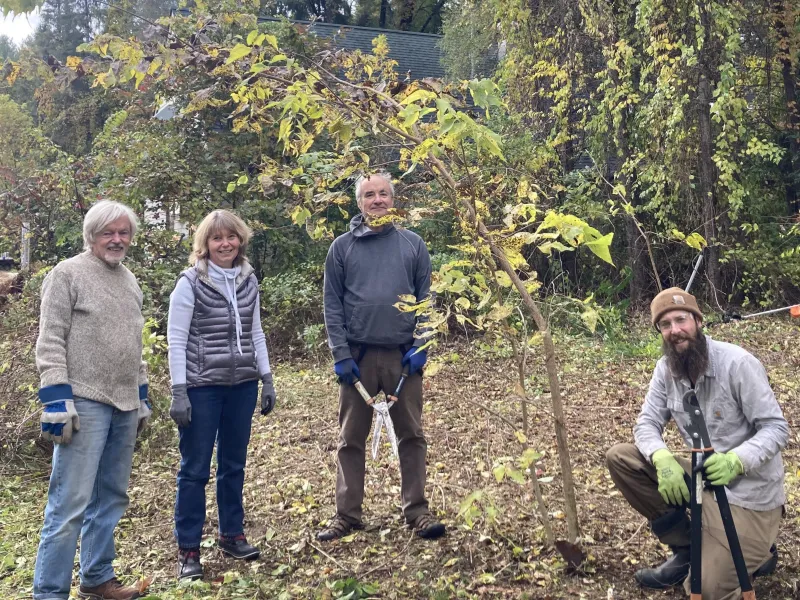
[{"x": 232, "y": 330}]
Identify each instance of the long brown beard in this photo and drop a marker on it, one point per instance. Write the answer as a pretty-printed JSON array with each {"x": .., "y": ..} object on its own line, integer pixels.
[{"x": 693, "y": 361}]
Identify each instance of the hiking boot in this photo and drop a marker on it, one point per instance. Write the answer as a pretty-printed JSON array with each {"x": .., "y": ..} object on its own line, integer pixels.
[
  {"x": 671, "y": 573},
  {"x": 768, "y": 568},
  {"x": 237, "y": 547},
  {"x": 427, "y": 527},
  {"x": 337, "y": 528},
  {"x": 189, "y": 566},
  {"x": 110, "y": 590}
]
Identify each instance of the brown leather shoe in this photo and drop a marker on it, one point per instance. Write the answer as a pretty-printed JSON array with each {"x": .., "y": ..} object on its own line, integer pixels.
[{"x": 110, "y": 590}]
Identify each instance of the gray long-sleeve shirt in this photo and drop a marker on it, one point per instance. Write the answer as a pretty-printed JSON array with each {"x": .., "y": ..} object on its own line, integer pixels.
[
  {"x": 742, "y": 415},
  {"x": 365, "y": 272}
]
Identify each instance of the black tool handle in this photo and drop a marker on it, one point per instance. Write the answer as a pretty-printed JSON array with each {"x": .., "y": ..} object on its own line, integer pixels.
[
  {"x": 403, "y": 376},
  {"x": 733, "y": 542},
  {"x": 699, "y": 456},
  {"x": 696, "y": 494}
]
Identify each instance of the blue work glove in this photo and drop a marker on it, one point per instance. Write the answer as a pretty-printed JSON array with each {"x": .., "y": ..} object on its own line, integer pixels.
[
  {"x": 347, "y": 371},
  {"x": 267, "y": 394},
  {"x": 59, "y": 419},
  {"x": 415, "y": 359}
]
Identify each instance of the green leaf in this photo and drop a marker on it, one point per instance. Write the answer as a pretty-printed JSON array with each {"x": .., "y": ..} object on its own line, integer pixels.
[
  {"x": 601, "y": 247},
  {"x": 237, "y": 52},
  {"x": 251, "y": 37},
  {"x": 242, "y": 180},
  {"x": 424, "y": 95},
  {"x": 499, "y": 473},
  {"x": 485, "y": 93},
  {"x": 696, "y": 241},
  {"x": 462, "y": 302},
  {"x": 528, "y": 457},
  {"x": 515, "y": 475},
  {"x": 231, "y": 186},
  {"x": 300, "y": 214},
  {"x": 271, "y": 40}
]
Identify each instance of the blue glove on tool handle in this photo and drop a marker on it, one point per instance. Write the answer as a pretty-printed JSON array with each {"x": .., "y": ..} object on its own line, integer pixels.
[
  {"x": 347, "y": 371},
  {"x": 415, "y": 359}
]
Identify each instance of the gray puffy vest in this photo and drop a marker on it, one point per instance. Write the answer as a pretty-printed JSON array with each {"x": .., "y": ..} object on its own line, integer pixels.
[{"x": 212, "y": 357}]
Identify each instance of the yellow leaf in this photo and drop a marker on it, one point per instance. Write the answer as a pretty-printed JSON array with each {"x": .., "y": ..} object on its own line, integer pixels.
[
  {"x": 237, "y": 52},
  {"x": 503, "y": 279}
]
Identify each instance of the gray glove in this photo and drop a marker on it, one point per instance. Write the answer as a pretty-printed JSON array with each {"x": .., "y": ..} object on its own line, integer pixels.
[
  {"x": 181, "y": 409},
  {"x": 267, "y": 394}
]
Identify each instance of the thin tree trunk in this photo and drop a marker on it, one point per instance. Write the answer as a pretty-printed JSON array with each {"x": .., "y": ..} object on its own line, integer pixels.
[
  {"x": 562, "y": 441},
  {"x": 706, "y": 169},
  {"x": 706, "y": 184},
  {"x": 789, "y": 164}
]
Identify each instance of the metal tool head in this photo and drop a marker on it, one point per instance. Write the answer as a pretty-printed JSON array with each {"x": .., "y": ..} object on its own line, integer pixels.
[
  {"x": 383, "y": 421},
  {"x": 689, "y": 400}
]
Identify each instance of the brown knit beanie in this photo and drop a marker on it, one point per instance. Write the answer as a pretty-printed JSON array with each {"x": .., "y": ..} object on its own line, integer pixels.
[{"x": 673, "y": 299}]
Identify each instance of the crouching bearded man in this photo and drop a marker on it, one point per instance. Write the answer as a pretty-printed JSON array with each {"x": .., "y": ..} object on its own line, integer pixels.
[{"x": 748, "y": 432}]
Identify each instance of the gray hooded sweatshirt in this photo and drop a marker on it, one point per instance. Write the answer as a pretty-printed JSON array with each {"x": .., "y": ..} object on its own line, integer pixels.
[{"x": 365, "y": 272}]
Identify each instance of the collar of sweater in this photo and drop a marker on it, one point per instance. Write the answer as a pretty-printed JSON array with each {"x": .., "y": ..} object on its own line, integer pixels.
[{"x": 202, "y": 272}]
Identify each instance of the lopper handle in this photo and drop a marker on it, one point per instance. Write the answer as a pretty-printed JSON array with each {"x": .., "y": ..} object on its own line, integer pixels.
[
  {"x": 403, "y": 376},
  {"x": 363, "y": 391}
]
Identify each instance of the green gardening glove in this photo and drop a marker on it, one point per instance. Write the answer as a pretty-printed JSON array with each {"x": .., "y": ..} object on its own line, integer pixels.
[
  {"x": 671, "y": 484},
  {"x": 721, "y": 469}
]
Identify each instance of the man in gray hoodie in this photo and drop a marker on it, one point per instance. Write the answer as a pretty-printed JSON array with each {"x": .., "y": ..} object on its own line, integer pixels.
[{"x": 365, "y": 272}]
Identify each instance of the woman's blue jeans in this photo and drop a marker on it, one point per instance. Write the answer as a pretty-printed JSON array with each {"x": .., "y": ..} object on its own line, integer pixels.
[{"x": 222, "y": 414}]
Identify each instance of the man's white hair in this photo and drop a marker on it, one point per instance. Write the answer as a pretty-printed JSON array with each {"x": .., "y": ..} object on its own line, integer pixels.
[
  {"x": 362, "y": 178},
  {"x": 103, "y": 213}
]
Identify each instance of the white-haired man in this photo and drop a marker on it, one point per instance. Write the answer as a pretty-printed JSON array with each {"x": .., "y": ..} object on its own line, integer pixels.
[
  {"x": 366, "y": 270},
  {"x": 94, "y": 391}
]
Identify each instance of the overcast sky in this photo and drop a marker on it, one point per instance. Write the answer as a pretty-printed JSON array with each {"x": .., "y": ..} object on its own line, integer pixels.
[{"x": 18, "y": 27}]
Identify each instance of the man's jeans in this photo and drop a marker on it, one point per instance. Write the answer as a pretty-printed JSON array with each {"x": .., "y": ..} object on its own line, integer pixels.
[
  {"x": 221, "y": 413},
  {"x": 87, "y": 496}
]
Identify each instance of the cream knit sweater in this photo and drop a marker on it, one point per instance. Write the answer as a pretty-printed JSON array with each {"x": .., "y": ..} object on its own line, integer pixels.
[{"x": 90, "y": 332}]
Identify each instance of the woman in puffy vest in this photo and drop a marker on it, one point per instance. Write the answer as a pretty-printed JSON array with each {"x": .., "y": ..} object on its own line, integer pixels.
[{"x": 217, "y": 354}]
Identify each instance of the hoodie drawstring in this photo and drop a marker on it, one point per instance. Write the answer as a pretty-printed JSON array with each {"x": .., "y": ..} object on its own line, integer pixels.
[{"x": 230, "y": 286}]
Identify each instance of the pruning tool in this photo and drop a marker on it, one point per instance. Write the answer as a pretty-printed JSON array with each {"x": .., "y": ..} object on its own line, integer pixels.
[
  {"x": 701, "y": 450},
  {"x": 382, "y": 418}
]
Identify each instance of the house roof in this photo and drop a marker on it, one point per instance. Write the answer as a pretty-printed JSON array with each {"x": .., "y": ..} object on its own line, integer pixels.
[{"x": 415, "y": 52}]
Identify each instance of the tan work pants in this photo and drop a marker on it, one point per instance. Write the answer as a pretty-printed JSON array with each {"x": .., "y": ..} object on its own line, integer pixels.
[
  {"x": 380, "y": 369},
  {"x": 637, "y": 480}
]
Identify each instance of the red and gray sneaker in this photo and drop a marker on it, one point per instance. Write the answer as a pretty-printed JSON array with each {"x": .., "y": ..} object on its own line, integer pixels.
[
  {"x": 189, "y": 566},
  {"x": 237, "y": 547}
]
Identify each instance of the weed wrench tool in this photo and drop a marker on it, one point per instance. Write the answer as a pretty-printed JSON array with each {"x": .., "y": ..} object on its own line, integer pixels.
[{"x": 701, "y": 450}]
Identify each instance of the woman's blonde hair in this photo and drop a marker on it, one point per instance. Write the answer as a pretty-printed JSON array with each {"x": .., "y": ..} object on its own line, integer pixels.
[{"x": 216, "y": 222}]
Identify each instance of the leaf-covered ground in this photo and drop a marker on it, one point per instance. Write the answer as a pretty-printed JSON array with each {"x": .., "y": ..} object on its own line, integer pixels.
[{"x": 494, "y": 550}]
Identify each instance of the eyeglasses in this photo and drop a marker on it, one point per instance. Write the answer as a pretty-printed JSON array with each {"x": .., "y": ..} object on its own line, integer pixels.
[{"x": 677, "y": 322}]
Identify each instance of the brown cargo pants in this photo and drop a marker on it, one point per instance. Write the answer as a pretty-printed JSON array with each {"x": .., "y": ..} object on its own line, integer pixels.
[
  {"x": 637, "y": 480},
  {"x": 380, "y": 369}
]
